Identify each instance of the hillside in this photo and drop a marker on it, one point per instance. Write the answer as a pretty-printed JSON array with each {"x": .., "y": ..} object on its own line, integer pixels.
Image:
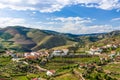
[
  {"x": 100, "y": 38},
  {"x": 28, "y": 39},
  {"x": 109, "y": 38}
]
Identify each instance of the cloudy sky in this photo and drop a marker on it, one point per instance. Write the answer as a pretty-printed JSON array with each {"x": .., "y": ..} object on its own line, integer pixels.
[{"x": 68, "y": 16}]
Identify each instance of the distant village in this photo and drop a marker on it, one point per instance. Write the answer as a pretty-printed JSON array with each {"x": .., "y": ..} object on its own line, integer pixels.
[
  {"x": 101, "y": 52},
  {"x": 65, "y": 52},
  {"x": 93, "y": 51}
]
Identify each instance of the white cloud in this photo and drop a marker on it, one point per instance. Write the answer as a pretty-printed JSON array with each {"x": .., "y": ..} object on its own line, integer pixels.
[
  {"x": 57, "y": 5},
  {"x": 8, "y": 21},
  {"x": 84, "y": 29},
  {"x": 115, "y": 19},
  {"x": 73, "y": 19},
  {"x": 78, "y": 25},
  {"x": 109, "y": 4},
  {"x": 74, "y": 25}
]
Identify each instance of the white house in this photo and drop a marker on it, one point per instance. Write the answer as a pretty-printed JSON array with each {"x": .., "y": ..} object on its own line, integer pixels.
[
  {"x": 16, "y": 59},
  {"x": 65, "y": 51},
  {"x": 95, "y": 51},
  {"x": 50, "y": 72},
  {"x": 26, "y": 54},
  {"x": 62, "y": 52}
]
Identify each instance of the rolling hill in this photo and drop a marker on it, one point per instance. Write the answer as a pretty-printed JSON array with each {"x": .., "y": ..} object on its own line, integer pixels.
[
  {"x": 29, "y": 39},
  {"x": 109, "y": 38},
  {"x": 32, "y": 39}
]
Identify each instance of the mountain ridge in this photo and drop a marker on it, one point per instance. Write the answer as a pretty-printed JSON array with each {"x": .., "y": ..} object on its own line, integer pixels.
[{"x": 29, "y": 39}]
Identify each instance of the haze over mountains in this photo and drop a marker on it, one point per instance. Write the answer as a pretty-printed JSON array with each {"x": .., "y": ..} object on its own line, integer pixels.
[{"x": 28, "y": 39}]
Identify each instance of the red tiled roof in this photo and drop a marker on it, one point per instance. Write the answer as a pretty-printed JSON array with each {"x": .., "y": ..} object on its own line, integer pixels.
[
  {"x": 52, "y": 71},
  {"x": 31, "y": 57}
]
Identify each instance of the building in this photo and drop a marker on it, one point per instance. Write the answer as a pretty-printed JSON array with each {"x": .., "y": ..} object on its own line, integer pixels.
[
  {"x": 31, "y": 57},
  {"x": 50, "y": 72},
  {"x": 36, "y": 54},
  {"x": 62, "y": 52},
  {"x": 104, "y": 57},
  {"x": 95, "y": 51},
  {"x": 81, "y": 65}
]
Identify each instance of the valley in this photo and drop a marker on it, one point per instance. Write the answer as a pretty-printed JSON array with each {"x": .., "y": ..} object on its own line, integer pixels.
[{"x": 33, "y": 54}]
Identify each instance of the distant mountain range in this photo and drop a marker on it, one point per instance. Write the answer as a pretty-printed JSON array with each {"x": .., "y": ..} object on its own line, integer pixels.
[{"x": 28, "y": 39}]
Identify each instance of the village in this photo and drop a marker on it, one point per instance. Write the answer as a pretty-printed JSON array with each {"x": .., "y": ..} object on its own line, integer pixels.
[
  {"x": 105, "y": 53},
  {"x": 98, "y": 51}
]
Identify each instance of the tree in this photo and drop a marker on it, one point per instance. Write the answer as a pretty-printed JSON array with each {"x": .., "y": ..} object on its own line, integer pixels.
[{"x": 6, "y": 36}]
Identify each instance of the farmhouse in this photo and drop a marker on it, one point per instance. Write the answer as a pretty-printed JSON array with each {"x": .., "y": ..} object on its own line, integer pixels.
[
  {"x": 35, "y": 55},
  {"x": 50, "y": 72},
  {"x": 95, "y": 51},
  {"x": 62, "y": 52},
  {"x": 16, "y": 59}
]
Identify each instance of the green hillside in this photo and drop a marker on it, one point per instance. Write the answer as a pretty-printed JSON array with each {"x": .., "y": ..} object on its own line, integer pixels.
[{"x": 27, "y": 39}]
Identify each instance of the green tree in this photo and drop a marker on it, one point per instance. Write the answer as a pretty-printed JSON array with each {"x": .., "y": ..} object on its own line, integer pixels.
[{"x": 6, "y": 36}]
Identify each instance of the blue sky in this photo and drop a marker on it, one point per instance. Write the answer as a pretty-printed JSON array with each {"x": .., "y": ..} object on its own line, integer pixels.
[{"x": 67, "y": 16}]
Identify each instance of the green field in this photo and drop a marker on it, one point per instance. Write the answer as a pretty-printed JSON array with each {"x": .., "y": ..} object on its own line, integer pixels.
[
  {"x": 114, "y": 69},
  {"x": 64, "y": 69}
]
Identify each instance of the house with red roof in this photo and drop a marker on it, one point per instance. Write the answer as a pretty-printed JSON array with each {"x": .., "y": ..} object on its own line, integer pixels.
[{"x": 50, "y": 72}]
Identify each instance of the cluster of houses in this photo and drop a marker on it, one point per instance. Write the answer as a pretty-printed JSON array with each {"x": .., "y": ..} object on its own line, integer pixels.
[
  {"x": 35, "y": 55},
  {"x": 28, "y": 55},
  {"x": 95, "y": 51},
  {"x": 64, "y": 52},
  {"x": 89, "y": 65},
  {"x": 111, "y": 45},
  {"x": 99, "y": 50}
]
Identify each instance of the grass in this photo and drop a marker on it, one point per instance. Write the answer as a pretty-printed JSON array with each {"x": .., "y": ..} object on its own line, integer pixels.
[
  {"x": 114, "y": 68},
  {"x": 80, "y": 70},
  {"x": 31, "y": 75},
  {"x": 4, "y": 61},
  {"x": 77, "y": 60},
  {"x": 64, "y": 67},
  {"x": 55, "y": 65},
  {"x": 60, "y": 63},
  {"x": 20, "y": 78},
  {"x": 62, "y": 47},
  {"x": 67, "y": 76}
]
